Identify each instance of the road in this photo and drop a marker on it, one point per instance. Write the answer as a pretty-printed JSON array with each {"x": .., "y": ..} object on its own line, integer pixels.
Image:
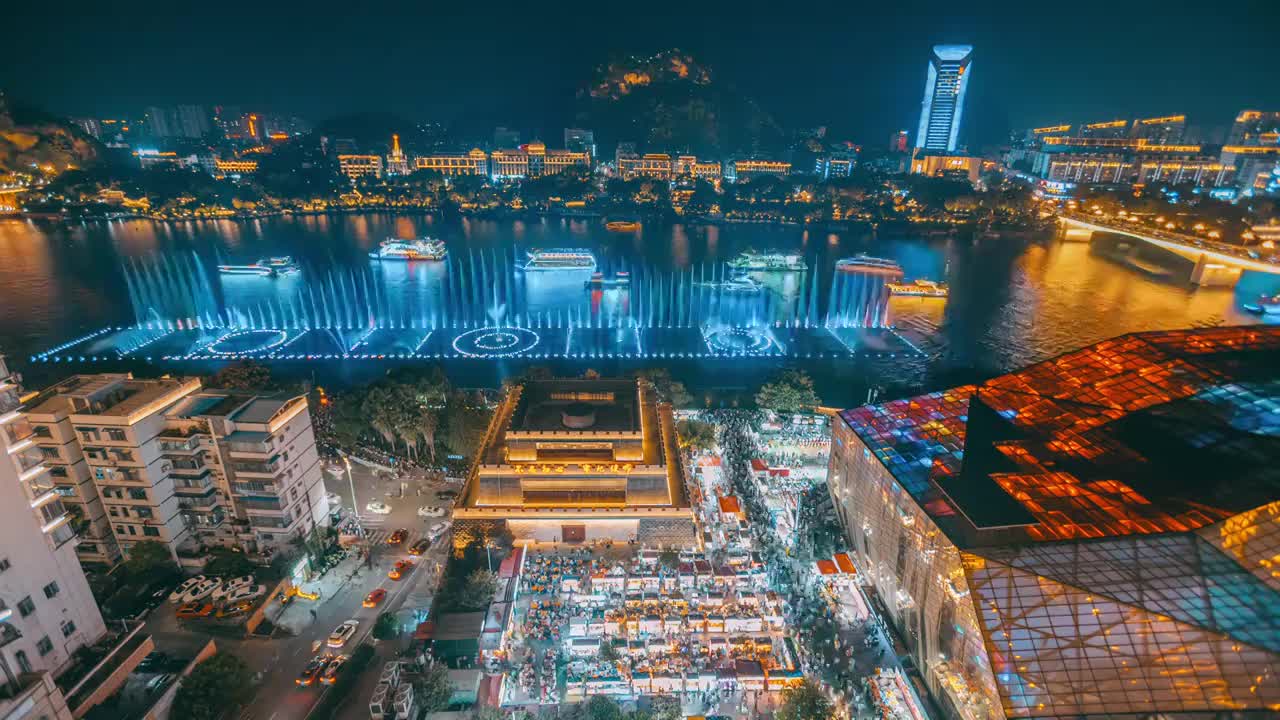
[{"x": 283, "y": 658}]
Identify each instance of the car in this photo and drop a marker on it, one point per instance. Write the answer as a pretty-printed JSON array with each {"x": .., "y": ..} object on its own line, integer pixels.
[
  {"x": 378, "y": 508},
  {"x": 246, "y": 593},
  {"x": 330, "y": 675},
  {"x": 447, "y": 494},
  {"x": 420, "y": 547},
  {"x": 374, "y": 598},
  {"x": 334, "y": 499},
  {"x": 312, "y": 670},
  {"x": 195, "y": 610},
  {"x": 236, "y": 608},
  {"x": 154, "y": 662},
  {"x": 186, "y": 587},
  {"x": 343, "y": 633},
  {"x": 397, "y": 537},
  {"x": 430, "y": 511},
  {"x": 230, "y": 586},
  {"x": 400, "y": 569},
  {"x": 436, "y": 529},
  {"x": 158, "y": 682},
  {"x": 202, "y": 590}
]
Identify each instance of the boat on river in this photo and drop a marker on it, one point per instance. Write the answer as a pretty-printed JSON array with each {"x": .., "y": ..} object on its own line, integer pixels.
[
  {"x": 768, "y": 262},
  {"x": 265, "y": 267},
  {"x": 571, "y": 259},
  {"x": 919, "y": 288},
  {"x": 599, "y": 282},
  {"x": 410, "y": 250},
  {"x": 622, "y": 226}
]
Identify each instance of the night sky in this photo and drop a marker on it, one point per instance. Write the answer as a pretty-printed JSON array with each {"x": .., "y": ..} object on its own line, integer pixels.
[{"x": 856, "y": 67}]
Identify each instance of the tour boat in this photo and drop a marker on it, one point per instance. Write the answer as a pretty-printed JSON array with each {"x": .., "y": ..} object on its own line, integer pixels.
[
  {"x": 621, "y": 226},
  {"x": 867, "y": 264},
  {"x": 771, "y": 262},
  {"x": 266, "y": 267},
  {"x": 599, "y": 282},
  {"x": 919, "y": 288},
  {"x": 561, "y": 260},
  {"x": 411, "y": 250},
  {"x": 1266, "y": 305},
  {"x": 741, "y": 284}
]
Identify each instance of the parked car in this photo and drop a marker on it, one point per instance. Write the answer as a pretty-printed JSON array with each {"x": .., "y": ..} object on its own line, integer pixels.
[
  {"x": 378, "y": 508},
  {"x": 436, "y": 529},
  {"x": 331, "y": 672},
  {"x": 158, "y": 682},
  {"x": 187, "y": 586},
  {"x": 232, "y": 585},
  {"x": 375, "y": 598},
  {"x": 236, "y": 608},
  {"x": 155, "y": 661},
  {"x": 195, "y": 610},
  {"x": 420, "y": 547},
  {"x": 397, "y": 537},
  {"x": 430, "y": 511},
  {"x": 312, "y": 670},
  {"x": 446, "y": 494},
  {"x": 202, "y": 590},
  {"x": 343, "y": 633},
  {"x": 400, "y": 569},
  {"x": 251, "y": 592},
  {"x": 334, "y": 499}
]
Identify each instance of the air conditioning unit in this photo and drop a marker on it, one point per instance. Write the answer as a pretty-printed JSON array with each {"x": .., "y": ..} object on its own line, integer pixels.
[
  {"x": 380, "y": 703},
  {"x": 390, "y": 674},
  {"x": 404, "y": 702}
]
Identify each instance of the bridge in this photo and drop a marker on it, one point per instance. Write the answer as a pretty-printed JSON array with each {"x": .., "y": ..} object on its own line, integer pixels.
[{"x": 1217, "y": 264}]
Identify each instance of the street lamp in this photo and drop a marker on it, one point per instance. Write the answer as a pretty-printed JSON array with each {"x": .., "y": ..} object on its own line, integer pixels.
[{"x": 355, "y": 504}]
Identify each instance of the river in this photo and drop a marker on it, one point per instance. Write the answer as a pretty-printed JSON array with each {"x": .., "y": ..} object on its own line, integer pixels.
[{"x": 1013, "y": 301}]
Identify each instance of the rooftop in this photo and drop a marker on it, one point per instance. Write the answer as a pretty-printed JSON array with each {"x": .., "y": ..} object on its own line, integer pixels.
[
  {"x": 603, "y": 405},
  {"x": 1140, "y": 434},
  {"x": 108, "y": 395}
]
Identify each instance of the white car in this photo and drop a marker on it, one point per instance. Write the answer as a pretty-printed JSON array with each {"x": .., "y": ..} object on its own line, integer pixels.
[
  {"x": 429, "y": 511},
  {"x": 232, "y": 585},
  {"x": 247, "y": 592},
  {"x": 378, "y": 508},
  {"x": 334, "y": 499},
  {"x": 186, "y": 587},
  {"x": 436, "y": 529},
  {"x": 202, "y": 590},
  {"x": 343, "y": 633}
]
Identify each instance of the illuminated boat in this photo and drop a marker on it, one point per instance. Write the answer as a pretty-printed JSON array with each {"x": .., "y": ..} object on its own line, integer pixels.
[
  {"x": 919, "y": 288},
  {"x": 599, "y": 282},
  {"x": 560, "y": 260},
  {"x": 411, "y": 250},
  {"x": 741, "y": 284},
  {"x": 622, "y": 226},
  {"x": 1266, "y": 305},
  {"x": 868, "y": 265},
  {"x": 265, "y": 267},
  {"x": 770, "y": 262}
]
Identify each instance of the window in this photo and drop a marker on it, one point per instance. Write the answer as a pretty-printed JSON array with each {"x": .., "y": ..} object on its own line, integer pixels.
[
  {"x": 115, "y": 434},
  {"x": 68, "y": 627},
  {"x": 4, "y": 564},
  {"x": 137, "y": 494},
  {"x": 26, "y": 606},
  {"x": 51, "y": 590},
  {"x": 151, "y": 532},
  {"x": 23, "y": 663},
  {"x": 112, "y": 511},
  {"x": 143, "y": 512},
  {"x": 45, "y": 646}
]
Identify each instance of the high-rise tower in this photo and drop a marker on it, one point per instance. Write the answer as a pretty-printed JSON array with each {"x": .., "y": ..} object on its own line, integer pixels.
[{"x": 944, "y": 98}]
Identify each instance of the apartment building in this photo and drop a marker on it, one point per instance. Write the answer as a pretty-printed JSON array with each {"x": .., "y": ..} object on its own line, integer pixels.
[
  {"x": 47, "y": 611},
  {"x": 163, "y": 460}
]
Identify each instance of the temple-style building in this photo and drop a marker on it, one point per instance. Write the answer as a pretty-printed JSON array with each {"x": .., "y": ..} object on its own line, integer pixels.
[{"x": 580, "y": 460}]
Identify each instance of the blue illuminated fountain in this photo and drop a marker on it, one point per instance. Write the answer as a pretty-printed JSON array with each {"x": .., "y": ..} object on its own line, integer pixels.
[{"x": 482, "y": 304}]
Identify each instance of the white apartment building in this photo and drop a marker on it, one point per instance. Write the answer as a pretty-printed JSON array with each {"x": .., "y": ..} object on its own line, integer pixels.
[
  {"x": 163, "y": 460},
  {"x": 47, "y": 611}
]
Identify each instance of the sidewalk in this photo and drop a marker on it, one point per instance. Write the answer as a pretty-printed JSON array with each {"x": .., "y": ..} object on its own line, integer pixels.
[{"x": 297, "y": 615}]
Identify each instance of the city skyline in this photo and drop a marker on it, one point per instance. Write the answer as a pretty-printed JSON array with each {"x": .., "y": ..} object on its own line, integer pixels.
[{"x": 801, "y": 72}]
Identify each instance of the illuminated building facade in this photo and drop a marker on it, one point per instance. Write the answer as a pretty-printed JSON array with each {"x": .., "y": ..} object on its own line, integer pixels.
[
  {"x": 235, "y": 166},
  {"x": 708, "y": 170},
  {"x": 955, "y": 166},
  {"x": 397, "y": 163},
  {"x": 1105, "y": 129},
  {"x": 534, "y": 160},
  {"x": 651, "y": 165},
  {"x": 1092, "y": 536},
  {"x": 358, "y": 166},
  {"x": 575, "y": 460},
  {"x": 899, "y": 142},
  {"x": 1168, "y": 130},
  {"x": 1255, "y": 127},
  {"x": 944, "y": 92},
  {"x": 748, "y": 170},
  {"x": 475, "y": 162},
  {"x": 580, "y": 140},
  {"x": 148, "y": 158}
]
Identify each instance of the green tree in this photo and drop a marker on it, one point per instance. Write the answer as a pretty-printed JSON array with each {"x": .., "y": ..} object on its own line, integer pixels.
[
  {"x": 608, "y": 653},
  {"x": 243, "y": 375},
  {"x": 148, "y": 557},
  {"x": 479, "y": 589},
  {"x": 664, "y": 707},
  {"x": 790, "y": 392},
  {"x": 484, "y": 712},
  {"x": 464, "y": 426},
  {"x": 667, "y": 389},
  {"x": 433, "y": 689},
  {"x": 602, "y": 707},
  {"x": 805, "y": 702},
  {"x": 226, "y": 562},
  {"x": 696, "y": 434},
  {"x": 386, "y": 627},
  {"x": 215, "y": 685}
]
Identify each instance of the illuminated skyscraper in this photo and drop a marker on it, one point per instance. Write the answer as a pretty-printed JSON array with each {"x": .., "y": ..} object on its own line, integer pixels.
[{"x": 944, "y": 98}]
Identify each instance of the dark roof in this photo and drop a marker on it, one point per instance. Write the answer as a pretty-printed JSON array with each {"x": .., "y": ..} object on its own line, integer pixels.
[{"x": 543, "y": 402}]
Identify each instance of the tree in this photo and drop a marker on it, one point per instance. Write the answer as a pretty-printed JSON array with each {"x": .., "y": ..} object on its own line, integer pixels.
[
  {"x": 244, "y": 375},
  {"x": 602, "y": 707},
  {"x": 225, "y": 562},
  {"x": 386, "y": 627},
  {"x": 664, "y": 707},
  {"x": 696, "y": 434},
  {"x": 790, "y": 392},
  {"x": 805, "y": 702},
  {"x": 669, "y": 559},
  {"x": 433, "y": 689},
  {"x": 484, "y": 712},
  {"x": 214, "y": 685},
  {"x": 668, "y": 390},
  {"x": 148, "y": 557},
  {"x": 608, "y": 653},
  {"x": 479, "y": 589},
  {"x": 465, "y": 425}
]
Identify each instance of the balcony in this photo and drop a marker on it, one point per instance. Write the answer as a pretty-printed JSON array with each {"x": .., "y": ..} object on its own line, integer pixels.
[
  {"x": 261, "y": 469},
  {"x": 192, "y": 486},
  {"x": 203, "y": 504},
  {"x": 115, "y": 475},
  {"x": 178, "y": 445}
]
